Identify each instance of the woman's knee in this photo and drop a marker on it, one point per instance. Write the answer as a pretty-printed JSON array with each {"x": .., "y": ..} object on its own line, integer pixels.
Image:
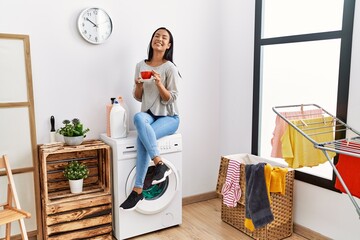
[{"x": 139, "y": 118}]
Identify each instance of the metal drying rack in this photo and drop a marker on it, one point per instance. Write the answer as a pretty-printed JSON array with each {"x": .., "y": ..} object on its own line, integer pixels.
[{"x": 343, "y": 145}]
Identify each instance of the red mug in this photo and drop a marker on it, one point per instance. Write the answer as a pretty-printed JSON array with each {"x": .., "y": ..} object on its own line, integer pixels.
[{"x": 146, "y": 74}]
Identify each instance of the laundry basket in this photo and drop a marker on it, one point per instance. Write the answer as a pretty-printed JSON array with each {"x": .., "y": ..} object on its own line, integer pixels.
[{"x": 281, "y": 205}]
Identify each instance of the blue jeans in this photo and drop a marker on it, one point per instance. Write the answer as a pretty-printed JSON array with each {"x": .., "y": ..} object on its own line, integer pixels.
[{"x": 149, "y": 129}]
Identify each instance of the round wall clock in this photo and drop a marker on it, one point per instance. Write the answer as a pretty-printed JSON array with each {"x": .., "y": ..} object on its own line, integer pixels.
[{"x": 95, "y": 25}]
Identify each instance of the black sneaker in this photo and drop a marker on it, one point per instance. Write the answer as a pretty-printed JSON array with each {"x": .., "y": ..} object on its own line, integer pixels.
[
  {"x": 161, "y": 172},
  {"x": 132, "y": 200}
]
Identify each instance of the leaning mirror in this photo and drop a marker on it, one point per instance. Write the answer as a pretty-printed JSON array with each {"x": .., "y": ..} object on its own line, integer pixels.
[{"x": 17, "y": 127}]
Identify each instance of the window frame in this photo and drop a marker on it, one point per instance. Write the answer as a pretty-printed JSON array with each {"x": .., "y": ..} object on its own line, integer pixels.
[{"x": 345, "y": 35}]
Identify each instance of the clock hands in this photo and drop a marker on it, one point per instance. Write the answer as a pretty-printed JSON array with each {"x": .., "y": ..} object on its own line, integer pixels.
[
  {"x": 92, "y": 22},
  {"x": 103, "y": 22}
]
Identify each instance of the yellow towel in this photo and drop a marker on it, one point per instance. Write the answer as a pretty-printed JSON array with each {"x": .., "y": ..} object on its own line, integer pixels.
[
  {"x": 300, "y": 152},
  {"x": 278, "y": 180},
  {"x": 267, "y": 171}
]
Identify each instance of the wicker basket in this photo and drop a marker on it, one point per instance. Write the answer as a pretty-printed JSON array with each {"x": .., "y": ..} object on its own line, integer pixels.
[{"x": 281, "y": 206}]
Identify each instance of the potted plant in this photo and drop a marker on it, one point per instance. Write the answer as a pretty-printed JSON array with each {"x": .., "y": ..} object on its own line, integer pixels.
[
  {"x": 76, "y": 172},
  {"x": 73, "y": 131}
]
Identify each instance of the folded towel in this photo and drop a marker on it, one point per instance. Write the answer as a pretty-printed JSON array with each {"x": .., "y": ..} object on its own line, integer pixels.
[
  {"x": 231, "y": 189},
  {"x": 257, "y": 205}
]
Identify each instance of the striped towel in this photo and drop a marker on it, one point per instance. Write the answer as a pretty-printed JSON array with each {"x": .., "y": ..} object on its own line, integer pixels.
[{"x": 231, "y": 189}]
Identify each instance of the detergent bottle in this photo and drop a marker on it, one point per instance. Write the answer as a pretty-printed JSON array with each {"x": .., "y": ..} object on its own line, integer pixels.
[
  {"x": 108, "y": 109},
  {"x": 118, "y": 125},
  {"x": 123, "y": 104}
]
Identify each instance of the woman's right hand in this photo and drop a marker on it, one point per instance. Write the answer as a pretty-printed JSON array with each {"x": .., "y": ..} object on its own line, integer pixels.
[
  {"x": 138, "y": 81},
  {"x": 138, "y": 88}
]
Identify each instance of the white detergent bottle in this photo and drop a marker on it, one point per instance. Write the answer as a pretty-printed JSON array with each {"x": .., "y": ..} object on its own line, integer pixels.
[
  {"x": 123, "y": 104},
  {"x": 118, "y": 126}
]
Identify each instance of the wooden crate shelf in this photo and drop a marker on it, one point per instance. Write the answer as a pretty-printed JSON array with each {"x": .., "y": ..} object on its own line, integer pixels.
[{"x": 87, "y": 215}]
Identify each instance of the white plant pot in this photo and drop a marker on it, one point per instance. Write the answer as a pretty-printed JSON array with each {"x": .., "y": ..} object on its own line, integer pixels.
[
  {"x": 76, "y": 186},
  {"x": 74, "y": 140}
]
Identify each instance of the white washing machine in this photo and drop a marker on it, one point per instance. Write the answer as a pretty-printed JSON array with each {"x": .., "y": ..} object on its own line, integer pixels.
[{"x": 162, "y": 206}]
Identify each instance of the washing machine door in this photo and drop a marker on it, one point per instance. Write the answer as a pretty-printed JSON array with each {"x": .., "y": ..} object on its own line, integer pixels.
[{"x": 156, "y": 197}]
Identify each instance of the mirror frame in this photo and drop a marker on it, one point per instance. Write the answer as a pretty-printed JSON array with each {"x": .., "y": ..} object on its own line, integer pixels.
[{"x": 29, "y": 104}]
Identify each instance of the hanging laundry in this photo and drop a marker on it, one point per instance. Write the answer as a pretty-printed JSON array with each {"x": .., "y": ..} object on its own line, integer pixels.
[
  {"x": 257, "y": 205},
  {"x": 298, "y": 151},
  {"x": 280, "y": 127},
  {"x": 231, "y": 189},
  {"x": 349, "y": 169}
]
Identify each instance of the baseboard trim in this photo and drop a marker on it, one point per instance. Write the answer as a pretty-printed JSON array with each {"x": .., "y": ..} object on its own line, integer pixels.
[
  {"x": 199, "y": 198},
  {"x": 308, "y": 233}
]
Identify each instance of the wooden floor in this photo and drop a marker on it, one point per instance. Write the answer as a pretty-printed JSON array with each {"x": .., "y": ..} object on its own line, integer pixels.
[{"x": 202, "y": 221}]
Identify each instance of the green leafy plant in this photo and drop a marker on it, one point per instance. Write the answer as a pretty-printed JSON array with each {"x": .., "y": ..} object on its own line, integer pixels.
[
  {"x": 75, "y": 171},
  {"x": 73, "y": 128}
]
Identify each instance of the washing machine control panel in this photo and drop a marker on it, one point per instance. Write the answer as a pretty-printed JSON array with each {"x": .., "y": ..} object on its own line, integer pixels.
[{"x": 169, "y": 145}]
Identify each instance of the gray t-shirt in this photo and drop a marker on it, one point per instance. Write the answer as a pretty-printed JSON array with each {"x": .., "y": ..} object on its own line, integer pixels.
[{"x": 151, "y": 98}]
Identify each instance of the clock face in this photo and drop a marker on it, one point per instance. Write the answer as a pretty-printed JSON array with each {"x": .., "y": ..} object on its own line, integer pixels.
[{"x": 95, "y": 25}]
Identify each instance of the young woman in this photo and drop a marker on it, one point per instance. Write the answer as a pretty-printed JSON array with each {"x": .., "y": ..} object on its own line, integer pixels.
[{"x": 159, "y": 114}]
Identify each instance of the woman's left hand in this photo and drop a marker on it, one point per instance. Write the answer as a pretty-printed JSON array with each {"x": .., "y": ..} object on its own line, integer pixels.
[
  {"x": 157, "y": 78},
  {"x": 164, "y": 93}
]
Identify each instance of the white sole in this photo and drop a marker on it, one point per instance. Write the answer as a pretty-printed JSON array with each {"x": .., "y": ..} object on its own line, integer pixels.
[{"x": 167, "y": 173}]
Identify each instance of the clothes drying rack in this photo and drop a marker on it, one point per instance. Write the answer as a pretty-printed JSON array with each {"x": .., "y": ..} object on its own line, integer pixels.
[{"x": 348, "y": 145}]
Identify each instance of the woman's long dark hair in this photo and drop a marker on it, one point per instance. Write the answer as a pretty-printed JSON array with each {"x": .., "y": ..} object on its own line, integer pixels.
[{"x": 168, "y": 53}]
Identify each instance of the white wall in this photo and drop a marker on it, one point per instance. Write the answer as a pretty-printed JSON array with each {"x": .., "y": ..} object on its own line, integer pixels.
[
  {"x": 214, "y": 42},
  {"x": 326, "y": 212},
  {"x": 236, "y": 78}
]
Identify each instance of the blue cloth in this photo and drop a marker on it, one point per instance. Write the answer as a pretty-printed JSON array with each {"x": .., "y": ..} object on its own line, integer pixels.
[
  {"x": 257, "y": 205},
  {"x": 149, "y": 129}
]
